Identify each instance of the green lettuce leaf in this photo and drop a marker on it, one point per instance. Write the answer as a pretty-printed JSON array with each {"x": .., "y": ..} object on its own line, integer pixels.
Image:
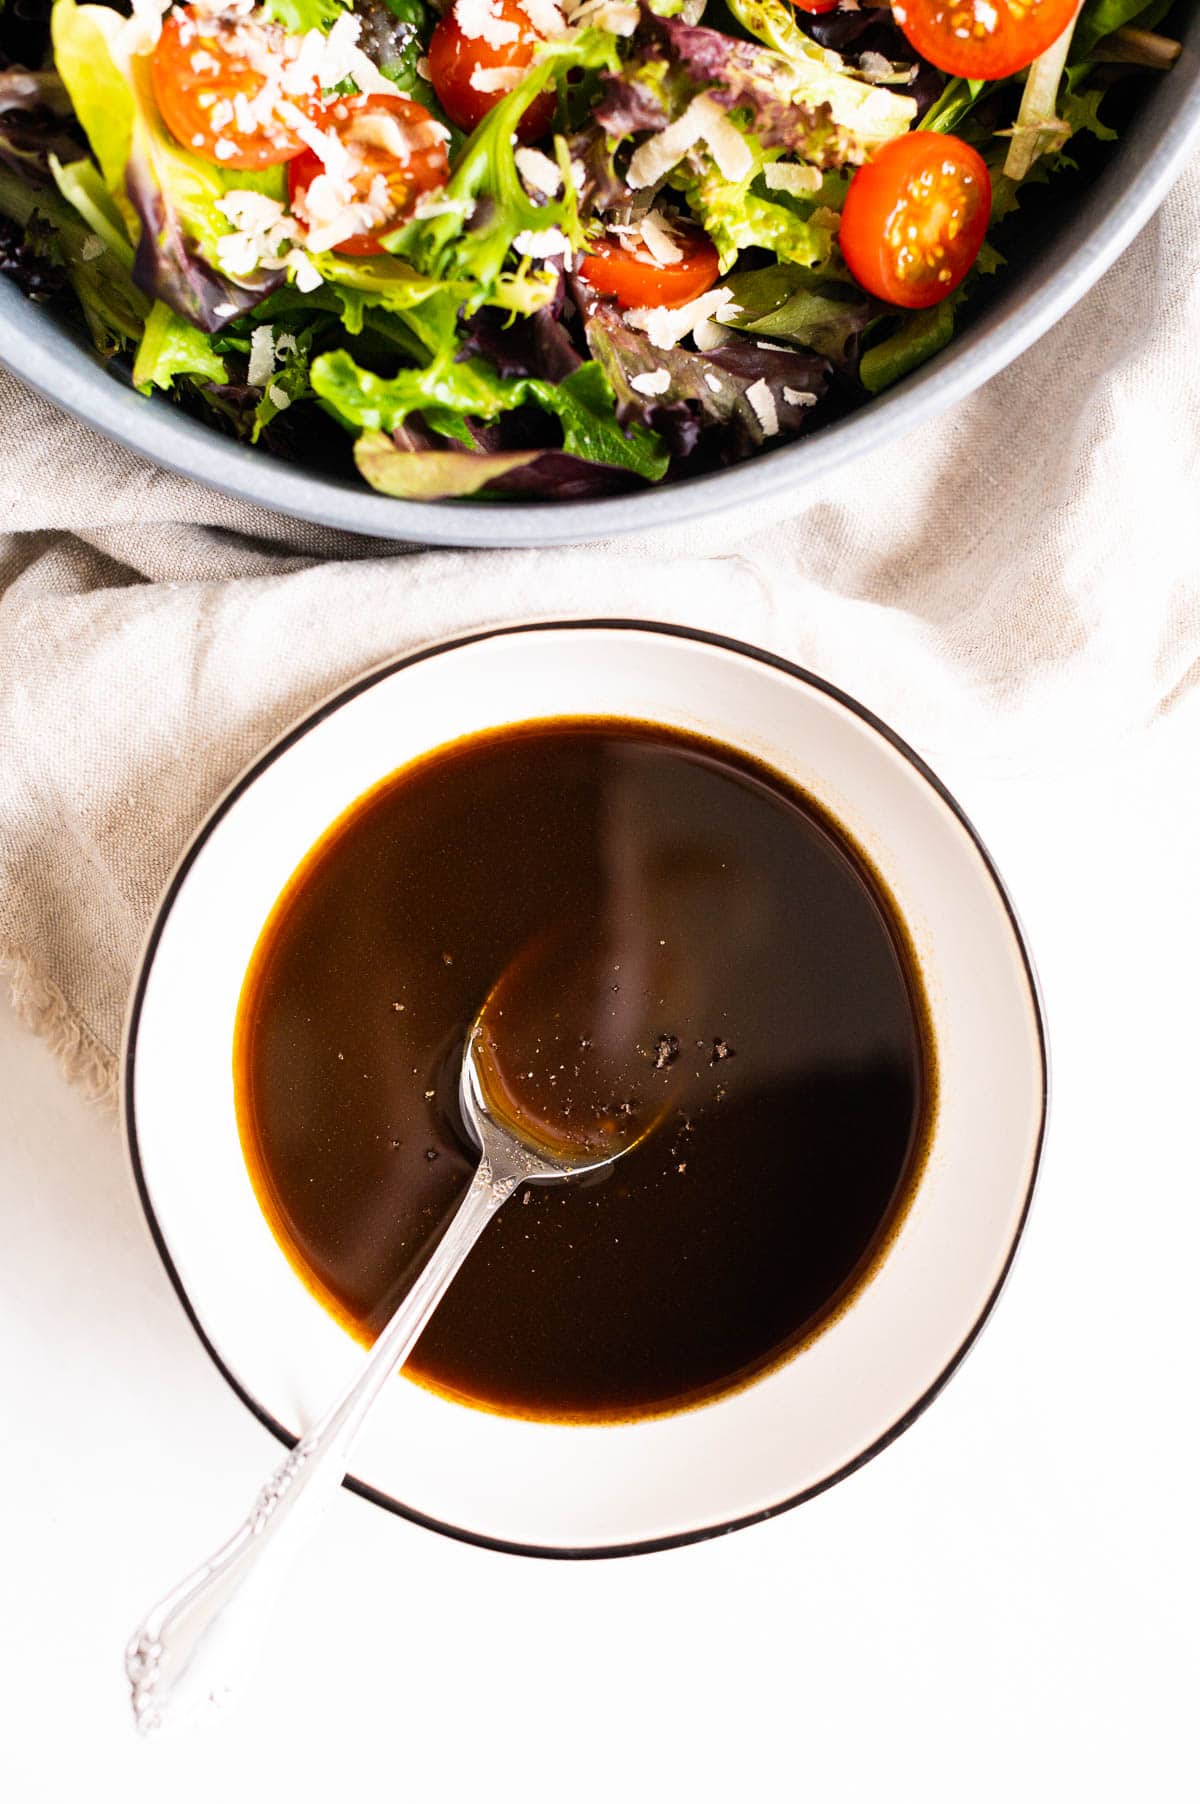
[
  {"x": 738, "y": 215},
  {"x": 786, "y": 302},
  {"x": 171, "y": 347},
  {"x": 582, "y": 403},
  {"x": 1100, "y": 18},
  {"x": 305, "y": 15},
  {"x": 919, "y": 338}
]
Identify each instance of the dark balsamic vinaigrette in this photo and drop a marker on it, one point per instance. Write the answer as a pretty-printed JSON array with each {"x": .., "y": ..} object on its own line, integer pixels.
[{"x": 700, "y": 948}]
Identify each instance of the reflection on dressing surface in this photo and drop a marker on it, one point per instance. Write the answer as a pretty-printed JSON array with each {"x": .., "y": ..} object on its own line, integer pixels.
[{"x": 675, "y": 947}]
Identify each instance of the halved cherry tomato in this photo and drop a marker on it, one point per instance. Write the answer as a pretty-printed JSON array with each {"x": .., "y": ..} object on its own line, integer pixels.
[
  {"x": 982, "y": 39},
  {"x": 478, "y": 51},
  {"x": 816, "y": 6},
  {"x": 389, "y": 140},
  {"x": 208, "y": 80},
  {"x": 915, "y": 217},
  {"x": 632, "y": 278}
]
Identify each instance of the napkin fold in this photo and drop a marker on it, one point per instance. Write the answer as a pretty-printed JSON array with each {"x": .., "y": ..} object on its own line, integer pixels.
[{"x": 1011, "y": 587}]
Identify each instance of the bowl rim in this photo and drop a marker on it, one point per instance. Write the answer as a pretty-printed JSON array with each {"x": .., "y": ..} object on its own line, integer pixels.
[
  {"x": 297, "y": 731},
  {"x": 1155, "y": 147}
]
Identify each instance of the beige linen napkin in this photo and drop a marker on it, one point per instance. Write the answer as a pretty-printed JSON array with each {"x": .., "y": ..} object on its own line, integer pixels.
[{"x": 1011, "y": 587}]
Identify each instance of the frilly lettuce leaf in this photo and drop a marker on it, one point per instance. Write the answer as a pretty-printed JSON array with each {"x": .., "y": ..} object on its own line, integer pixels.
[
  {"x": 469, "y": 389},
  {"x": 869, "y": 115},
  {"x": 738, "y": 215},
  {"x": 171, "y": 347},
  {"x": 669, "y": 62}
]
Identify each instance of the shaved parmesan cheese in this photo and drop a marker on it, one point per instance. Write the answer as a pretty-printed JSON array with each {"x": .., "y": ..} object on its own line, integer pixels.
[
  {"x": 549, "y": 243},
  {"x": 618, "y": 16},
  {"x": 307, "y": 275},
  {"x": 703, "y": 120},
  {"x": 261, "y": 227},
  {"x": 433, "y": 206},
  {"x": 659, "y": 154},
  {"x": 765, "y": 411},
  {"x": 278, "y": 397},
  {"x": 730, "y": 151},
  {"x": 481, "y": 19},
  {"x": 792, "y": 178},
  {"x": 799, "y": 397},
  {"x": 714, "y": 382},
  {"x": 544, "y": 16},
  {"x": 657, "y": 238},
  {"x": 538, "y": 171},
  {"x": 707, "y": 335},
  {"x": 380, "y": 131},
  {"x": 495, "y": 81},
  {"x": 261, "y": 366},
  {"x": 651, "y": 382},
  {"x": 249, "y": 211},
  {"x": 140, "y": 32},
  {"x": 665, "y": 326}
]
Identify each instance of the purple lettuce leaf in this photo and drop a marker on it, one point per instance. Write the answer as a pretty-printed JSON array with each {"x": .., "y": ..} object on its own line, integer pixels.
[
  {"x": 416, "y": 463},
  {"x": 602, "y": 186},
  {"x": 708, "y": 392},
  {"x": 733, "y": 72},
  {"x": 169, "y": 267},
  {"x": 538, "y": 344},
  {"x": 36, "y": 123}
]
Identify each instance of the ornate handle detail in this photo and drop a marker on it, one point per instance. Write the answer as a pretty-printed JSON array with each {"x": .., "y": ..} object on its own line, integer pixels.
[{"x": 193, "y": 1646}]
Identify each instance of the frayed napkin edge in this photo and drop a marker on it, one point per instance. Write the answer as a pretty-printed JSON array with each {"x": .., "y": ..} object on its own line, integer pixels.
[{"x": 41, "y": 1005}]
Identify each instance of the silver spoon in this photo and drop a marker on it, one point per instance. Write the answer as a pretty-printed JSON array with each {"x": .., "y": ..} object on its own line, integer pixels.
[{"x": 192, "y": 1647}]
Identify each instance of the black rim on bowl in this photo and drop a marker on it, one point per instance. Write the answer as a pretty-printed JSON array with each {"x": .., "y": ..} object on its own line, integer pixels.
[{"x": 298, "y": 732}]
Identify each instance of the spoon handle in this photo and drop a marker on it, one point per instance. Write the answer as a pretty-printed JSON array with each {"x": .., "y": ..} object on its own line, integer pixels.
[{"x": 192, "y": 1647}]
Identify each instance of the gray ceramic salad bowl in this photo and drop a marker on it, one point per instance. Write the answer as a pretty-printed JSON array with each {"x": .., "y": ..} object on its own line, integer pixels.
[{"x": 47, "y": 351}]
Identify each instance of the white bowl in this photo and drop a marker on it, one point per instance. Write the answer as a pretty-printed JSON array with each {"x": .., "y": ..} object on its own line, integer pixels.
[{"x": 571, "y": 1490}]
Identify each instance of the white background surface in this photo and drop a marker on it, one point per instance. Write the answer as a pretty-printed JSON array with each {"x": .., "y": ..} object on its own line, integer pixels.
[{"x": 1002, "y": 1606}]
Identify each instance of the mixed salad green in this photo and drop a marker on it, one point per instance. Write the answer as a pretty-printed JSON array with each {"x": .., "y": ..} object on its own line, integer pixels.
[{"x": 554, "y": 248}]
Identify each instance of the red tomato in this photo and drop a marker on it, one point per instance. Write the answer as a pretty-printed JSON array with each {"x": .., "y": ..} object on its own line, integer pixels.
[
  {"x": 206, "y": 84},
  {"x": 478, "y": 50},
  {"x": 982, "y": 39},
  {"x": 389, "y": 137},
  {"x": 816, "y": 6},
  {"x": 915, "y": 217},
  {"x": 633, "y": 279}
]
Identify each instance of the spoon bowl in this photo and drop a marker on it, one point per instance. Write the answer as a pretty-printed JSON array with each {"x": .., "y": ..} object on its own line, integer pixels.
[{"x": 507, "y": 1149}]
